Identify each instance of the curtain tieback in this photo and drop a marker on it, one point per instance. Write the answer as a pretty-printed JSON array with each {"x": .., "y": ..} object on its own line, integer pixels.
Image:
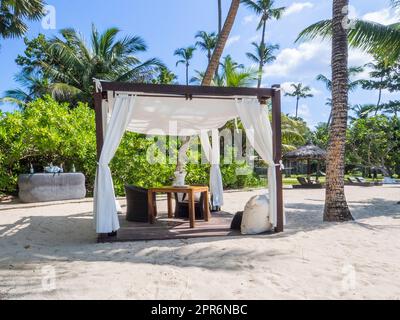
[
  {"x": 98, "y": 85},
  {"x": 102, "y": 164},
  {"x": 280, "y": 165}
]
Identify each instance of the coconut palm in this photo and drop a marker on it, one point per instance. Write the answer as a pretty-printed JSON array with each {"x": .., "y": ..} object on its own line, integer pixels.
[
  {"x": 299, "y": 92},
  {"x": 236, "y": 75},
  {"x": 381, "y": 78},
  {"x": 267, "y": 11},
  {"x": 207, "y": 42},
  {"x": 14, "y": 12},
  {"x": 375, "y": 38},
  {"x": 34, "y": 85},
  {"x": 263, "y": 54},
  {"x": 362, "y": 111},
  {"x": 336, "y": 208},
  {"x": 232, "y": 75},
  {"x": 186, "y": 54},
  {"x": 222, "y": 39},
  {"x": 352, "y": 85},
  {"x": 70, "y": 63},
  {"x": 165, "y": 76}
]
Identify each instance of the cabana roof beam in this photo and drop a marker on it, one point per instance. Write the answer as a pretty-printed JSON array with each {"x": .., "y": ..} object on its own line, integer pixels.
[{"x": 188, "y": 92}]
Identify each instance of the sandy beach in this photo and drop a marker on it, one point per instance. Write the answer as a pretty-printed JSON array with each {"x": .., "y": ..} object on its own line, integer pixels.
[{"x": 49, "y": 251}]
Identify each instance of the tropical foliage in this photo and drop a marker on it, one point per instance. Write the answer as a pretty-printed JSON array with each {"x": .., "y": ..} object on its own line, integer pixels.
[
  {"x": 375, "y": 142},
  {"x": 375, "y": 38},
  {"x": 13, "y": 14},
  {"x": 65, "y": 66}
]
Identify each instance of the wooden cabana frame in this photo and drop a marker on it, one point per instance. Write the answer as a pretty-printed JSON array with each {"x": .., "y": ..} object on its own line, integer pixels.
[{"x": 199, "y": 92}]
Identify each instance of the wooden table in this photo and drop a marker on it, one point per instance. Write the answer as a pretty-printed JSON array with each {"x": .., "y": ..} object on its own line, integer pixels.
[{"x": 190, "y": 191}]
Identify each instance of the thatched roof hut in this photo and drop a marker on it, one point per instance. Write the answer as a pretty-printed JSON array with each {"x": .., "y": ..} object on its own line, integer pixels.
[{"x": 307, "y": 152}]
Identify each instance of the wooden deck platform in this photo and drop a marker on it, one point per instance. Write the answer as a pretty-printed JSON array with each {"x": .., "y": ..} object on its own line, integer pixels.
[{"x": 168, "y": 229}]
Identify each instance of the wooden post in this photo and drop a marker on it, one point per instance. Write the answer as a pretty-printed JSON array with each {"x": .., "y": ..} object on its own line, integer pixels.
[
  {"x": 192, "y": 214},
  {"x": 98, "y": 98},
  {"x": 277, "y": 146},
  {"x": 169, "y": 201}
]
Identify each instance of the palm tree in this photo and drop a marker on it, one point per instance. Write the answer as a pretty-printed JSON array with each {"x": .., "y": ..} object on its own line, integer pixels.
[
  {"x": 222, "y": 39},
  {"x": 362, "y": 111},
  {"x": 267, "y": 11},
  {"x": 207, "y": 42},
  {"x": 36, "y": 86},
  {"x": 236, "y": 75},
  {"x": 14, "y": 12},
  {"x": 165, "y": 76},
  {"x": 336, "y": 208},
  {"x": 186, "y": 54},
  {"x": 299, "y": 91},
  {"x": 383, "y": 74},
  {"x": 232, "y": 75},
  {"x": 352, "y": 85},
  {"x": 375, "y": 38},
  {"x": 70, "y": 64},
  {"x": 263, "y": 54}
]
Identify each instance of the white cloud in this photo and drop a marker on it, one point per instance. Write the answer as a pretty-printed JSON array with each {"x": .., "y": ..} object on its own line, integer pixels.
[
  {"x": 248, "y": 19},
  {"x": 297, "y": 7},
  {"x": 290, "y": 59},
  {"x": 232, "y": 40},
  {"x": 255, "y": 38},
  {"x": 385, "y": 16}
]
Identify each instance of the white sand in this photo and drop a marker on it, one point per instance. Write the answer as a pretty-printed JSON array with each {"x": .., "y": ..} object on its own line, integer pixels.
[{"x": 311, "y": 260}]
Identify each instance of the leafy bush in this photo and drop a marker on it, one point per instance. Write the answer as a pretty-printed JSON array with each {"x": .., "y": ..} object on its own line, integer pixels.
[{"x": 45, "y": 132}]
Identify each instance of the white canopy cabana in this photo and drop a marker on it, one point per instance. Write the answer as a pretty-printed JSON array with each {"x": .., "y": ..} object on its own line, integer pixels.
[{"x": 183, "y": 111}]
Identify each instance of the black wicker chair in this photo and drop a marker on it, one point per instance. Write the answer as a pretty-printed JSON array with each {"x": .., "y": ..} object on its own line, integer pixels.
[
  {"x": 182, "y": 206},
  {"x": 137, "y": 205}
]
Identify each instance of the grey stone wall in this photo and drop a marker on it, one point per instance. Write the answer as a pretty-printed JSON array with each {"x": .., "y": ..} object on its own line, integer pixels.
[{"x": 43, "y": 187}]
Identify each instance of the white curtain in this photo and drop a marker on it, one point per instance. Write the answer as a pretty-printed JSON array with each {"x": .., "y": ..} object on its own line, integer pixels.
[
  {"x": 107, "y": 106},
  {"x": 105, "y": 207},
  {"x": 213, "y": 156},
  {"x": 258, "y": 128}
]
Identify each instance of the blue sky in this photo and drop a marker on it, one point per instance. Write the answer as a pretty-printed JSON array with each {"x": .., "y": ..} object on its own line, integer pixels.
[{"x": 167, "y": 25}]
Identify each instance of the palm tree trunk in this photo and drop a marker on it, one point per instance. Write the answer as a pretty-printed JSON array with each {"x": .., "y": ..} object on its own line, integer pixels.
[
  {"x": 219, "y": 31},
  {"x": 261, "y": 67},
  {"x": 379, "y": 99},
  {"x": 187, "y": 74},
  {"x": 219, "y": 16},
  {"x": 336, "y": 208},
  {"x": 297, "y": 106},
  {"x": 329, "y": 119},
  {"x": 223, "y": 37}
]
